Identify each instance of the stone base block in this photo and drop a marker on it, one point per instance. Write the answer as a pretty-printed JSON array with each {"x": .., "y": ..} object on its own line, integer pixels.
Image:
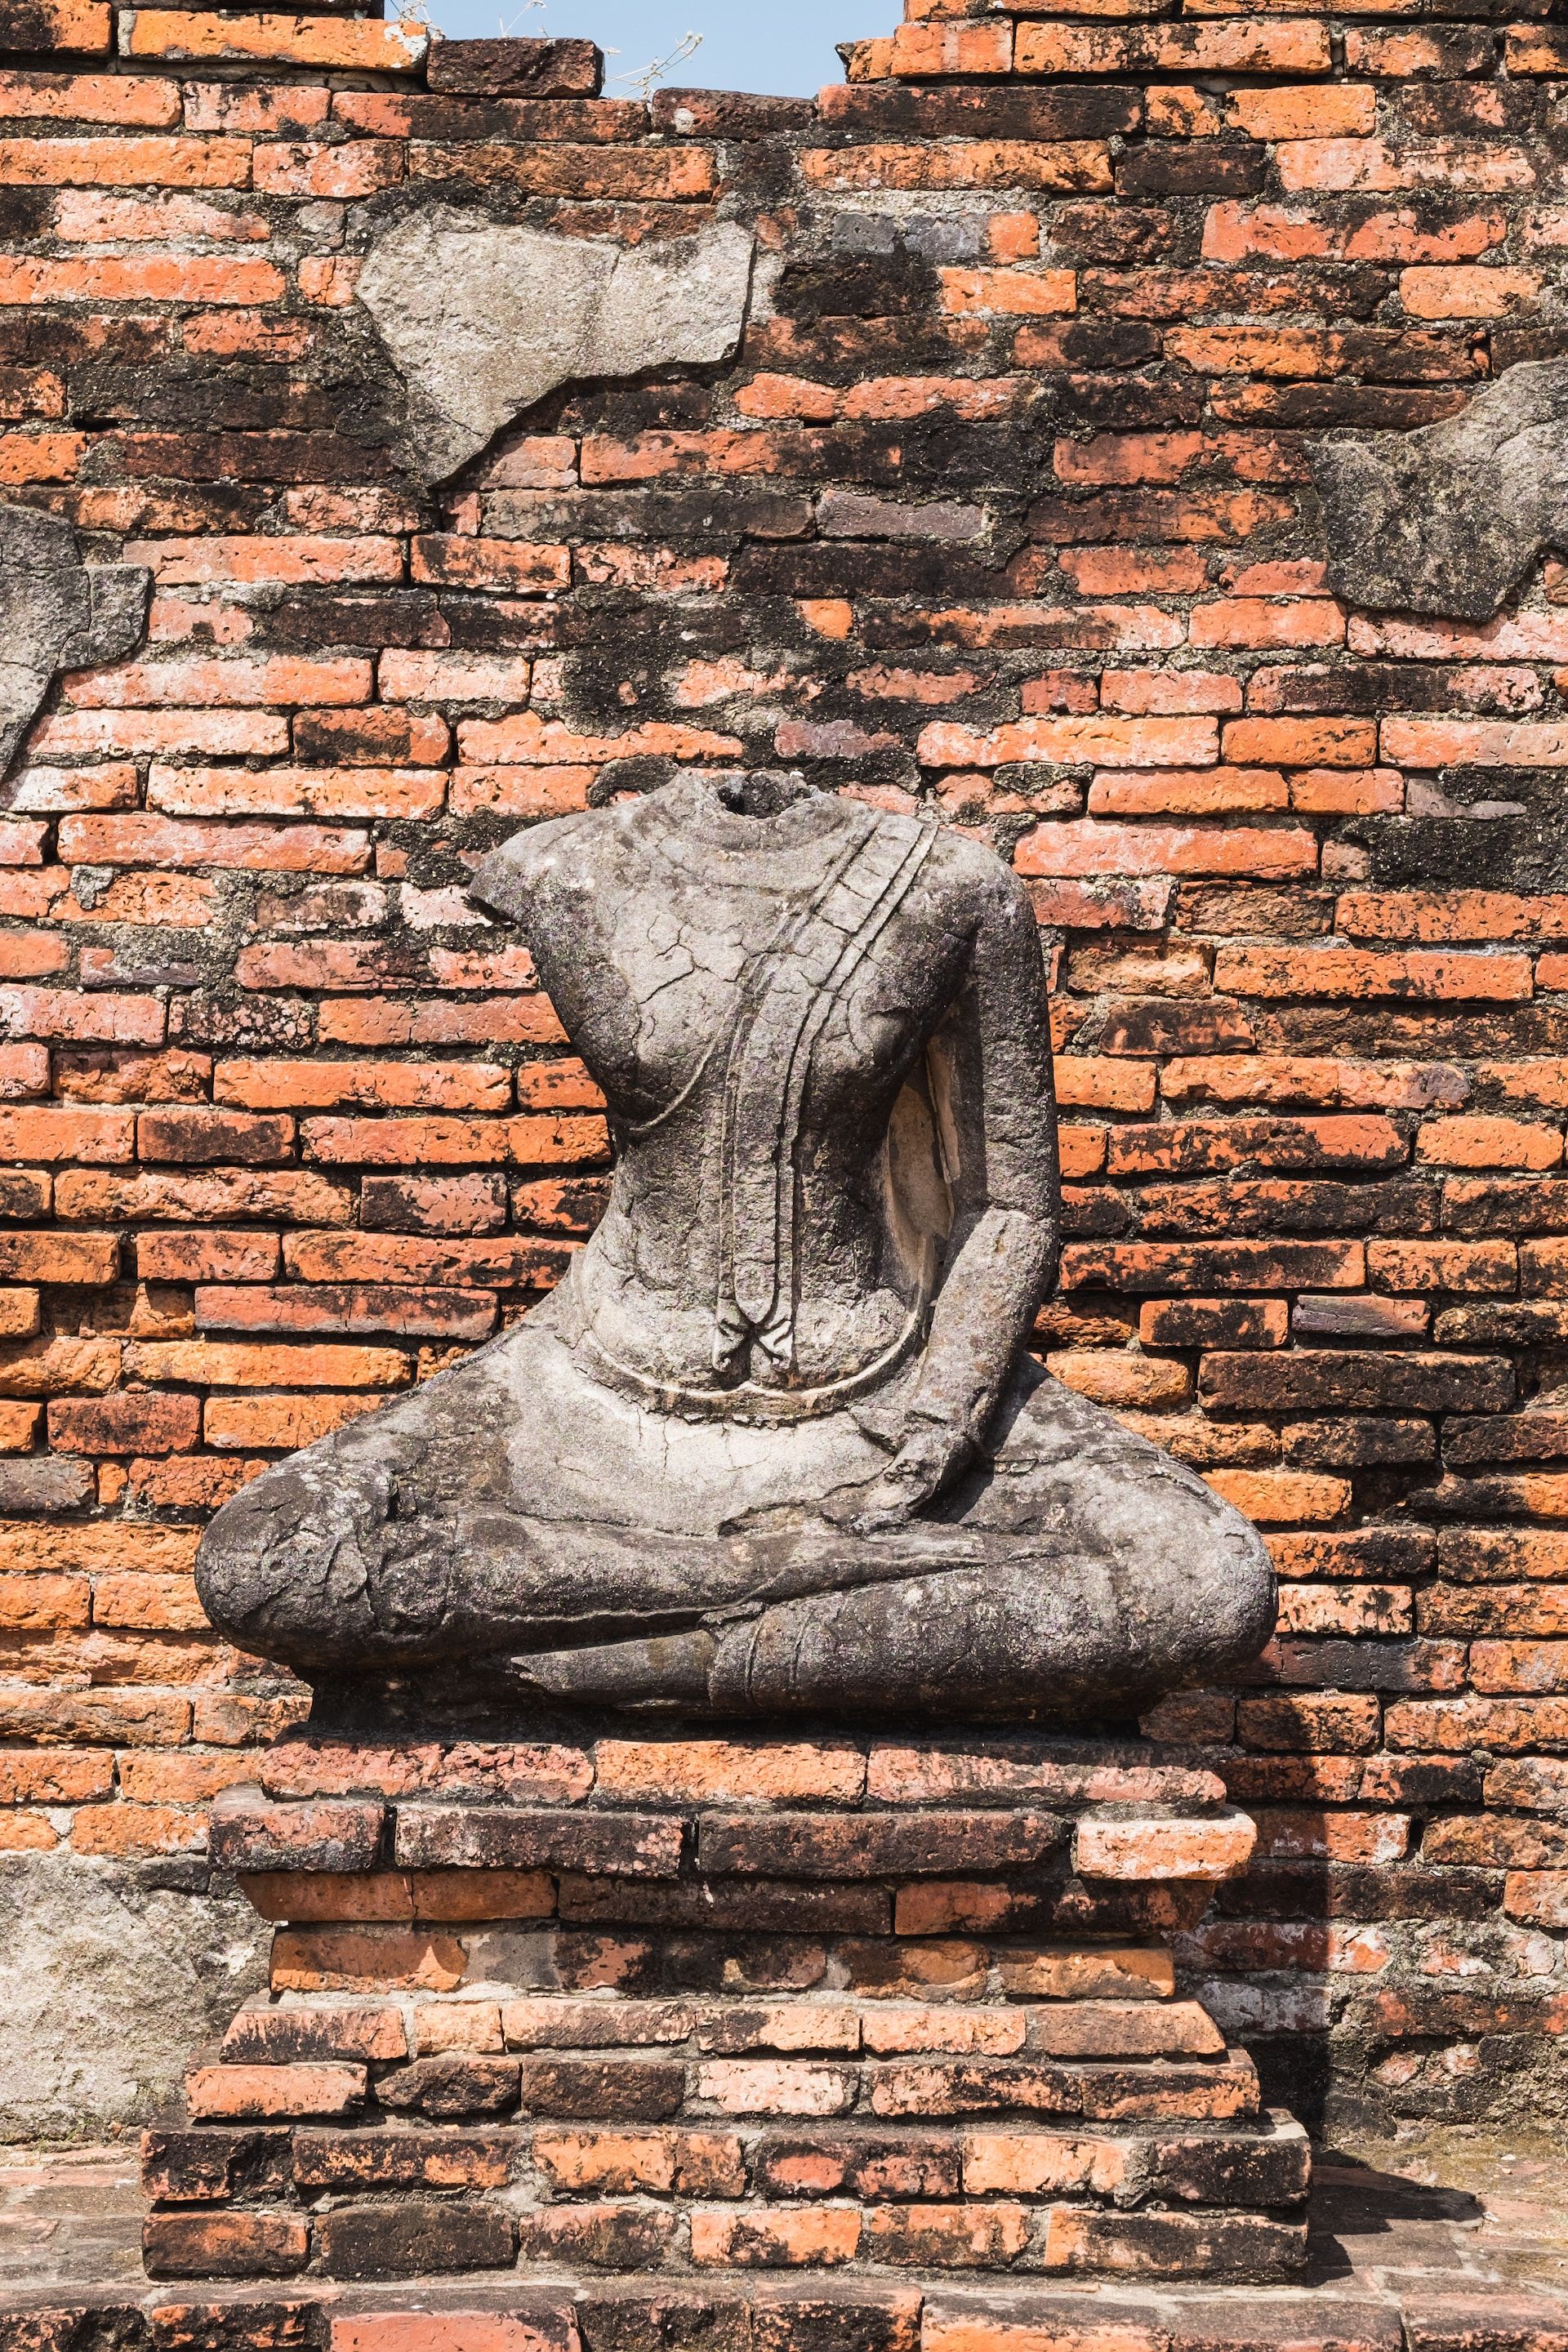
[{"x": 723, "y": 2007}]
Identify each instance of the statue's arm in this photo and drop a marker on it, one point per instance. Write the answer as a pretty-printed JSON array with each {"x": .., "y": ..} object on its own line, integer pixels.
[
  {"x": 991, "y": 1072},
  {"x": 991, "y": 1065}
]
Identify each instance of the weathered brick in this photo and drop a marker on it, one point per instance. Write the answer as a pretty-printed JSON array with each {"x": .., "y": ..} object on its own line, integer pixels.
[
  {"x": 223, "y": 2245},
  {"x": 621, "y": 2090},
  {"x": 412, "y": 2238},
  {"x": 289, "y": 40},
  {"x": 1238, "y": 2245},
  {"x": 718, "y": 1771},
  {"x": 240, "y": 2090},
  {"x": 820, "y": 2237},
  {"x": 823, "y": 1845},
  {"x": 451, "y": 2084},
  {"x": 251, "y": 1833},
  {"x": 629, "y": 1845},
  {"x": 341, "y": 2159},
  {"x": 1122, "y": 1842},
  {"x": 1302, "y": 1378},
  {"x": 293, "y": 2037}
]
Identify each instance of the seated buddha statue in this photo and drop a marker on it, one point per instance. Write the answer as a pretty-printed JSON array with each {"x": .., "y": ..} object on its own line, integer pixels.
[{"x": 774, "y": 1446}]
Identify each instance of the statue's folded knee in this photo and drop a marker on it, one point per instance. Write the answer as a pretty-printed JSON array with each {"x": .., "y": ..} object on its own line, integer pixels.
[
  {"x": 235, "y": 1583},
  {"x": 269, "y": 1569},
  {"x": 222, "y": 1586},
  {"x": 1225, "y": 1585}
]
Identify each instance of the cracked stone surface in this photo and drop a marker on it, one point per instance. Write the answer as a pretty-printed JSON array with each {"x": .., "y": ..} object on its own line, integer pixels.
[
  {"x": 1449, "y": 520},
  {"x": 482, "y": 320},
  {"x": 108, "y": 1981},
  {"x": 55, "y": 613}
]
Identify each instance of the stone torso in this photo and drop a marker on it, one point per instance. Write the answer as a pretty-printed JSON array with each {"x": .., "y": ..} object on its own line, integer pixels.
[{"x": 755, "y": 996}]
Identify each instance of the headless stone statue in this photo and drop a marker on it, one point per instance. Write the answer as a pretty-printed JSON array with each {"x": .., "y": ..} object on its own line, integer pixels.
[{"x": 774, "y": 1446}]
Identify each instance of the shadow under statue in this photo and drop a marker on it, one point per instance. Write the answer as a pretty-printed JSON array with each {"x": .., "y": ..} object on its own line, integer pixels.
[{"x": 774, "y": 1447}]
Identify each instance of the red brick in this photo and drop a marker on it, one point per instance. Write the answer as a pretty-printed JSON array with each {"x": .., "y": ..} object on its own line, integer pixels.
[
  {"x": 1362, "y": 1837},
  {"x": 34, "y": 1601},
  {"x": 1357, "y": 972},
  {"x": 84, "y": 1259},
  {"x": 79, "y": 25},
  {"x": 424, "y": 1143},
  {"x": 774, "y": 2087},
  {"x": 1305, "y": 1079},
  {"x": 1091, "y": 848},
  {"x": 1115, "y": 1846},
  {"x": 150, "y": 840},
  {"x": 1310, "y": 112},
  {"x": 292, "y": 40},
  {"x": 173, "y": 162},
  {"x": 1310, "y": 1720},
  {"x": 503, "y": 563},
  {"x": 1215, "y": 1323},
  {"x": 1489, "y": 916},
  {"x": 241, "y": 2092},
  {"x": 457, "y": 2331},
  {"x": 210, "y": 1256},
  {"x": 1302, "y": 743},
  {"x": 819, "y": 2236},
  {"x": 218, "y": 1193},
  {"x": 1215, "y": 1265},
  {"x": 362, "y": 1085},
  {"x": 223, "y": 2245},
  {"x": 136, "y": 1423},
  {"x": 204, "y": 1136},
  {"x": 1488, "y": 1143},
  {"x": 359, "y": 790},
  {"x": 1145, "y": 743},
  {"x": 948, "y": 2237},
  {"x": 1242, "y": 47},
  {"x": 288, "y": 558},
  {"x": 224, "y": 1364}
]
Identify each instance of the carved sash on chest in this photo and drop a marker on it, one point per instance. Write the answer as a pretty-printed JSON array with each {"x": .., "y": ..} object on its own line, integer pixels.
[{"x": 758, "y": 1066}]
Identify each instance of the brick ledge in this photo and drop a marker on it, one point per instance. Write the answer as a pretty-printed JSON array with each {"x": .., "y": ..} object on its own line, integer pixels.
[{"x": 566, "y": 2313}]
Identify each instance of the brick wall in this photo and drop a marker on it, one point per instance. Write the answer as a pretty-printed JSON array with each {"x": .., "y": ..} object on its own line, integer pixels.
[{"x": 1005, "y": 506}]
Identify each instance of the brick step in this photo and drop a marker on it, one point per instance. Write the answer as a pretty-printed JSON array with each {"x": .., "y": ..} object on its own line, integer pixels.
[
  {"x": 413, "y": 2237},
  {"x": 1262, "y": 2165},
  {"x": 308, "y": 2032},
  {"x": 962, "y": 1941},
  {"x": 764, "y": 1772},
  {"x": 686, "y": 2008},
  {"x": 630, "y": 2086},
  {"x": 1193, "y": 1841},
  {"x": 783, "y": 2313}
]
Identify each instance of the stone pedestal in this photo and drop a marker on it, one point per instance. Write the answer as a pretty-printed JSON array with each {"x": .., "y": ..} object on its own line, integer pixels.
[{"x": 707, "y": 2007}]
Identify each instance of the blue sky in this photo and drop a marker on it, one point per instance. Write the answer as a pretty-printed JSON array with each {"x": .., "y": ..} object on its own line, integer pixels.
[{"x": 746, "y": 44}]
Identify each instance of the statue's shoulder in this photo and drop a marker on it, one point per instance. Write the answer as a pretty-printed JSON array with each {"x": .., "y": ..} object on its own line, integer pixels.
[
  {"x": 559, "y": 854},
  {"x": 971, "y": 873}
]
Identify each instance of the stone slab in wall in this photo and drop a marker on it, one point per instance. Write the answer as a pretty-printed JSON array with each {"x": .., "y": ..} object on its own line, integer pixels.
[
  {"x": 483, "y": 319},
  {"x": 110, "y": 1973},
  {"x": 56, "y": 613},
  {"x": 1452, "y": 519}
]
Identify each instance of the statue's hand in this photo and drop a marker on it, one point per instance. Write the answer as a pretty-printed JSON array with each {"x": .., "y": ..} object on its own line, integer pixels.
[{"x": 931, "y": 1456}]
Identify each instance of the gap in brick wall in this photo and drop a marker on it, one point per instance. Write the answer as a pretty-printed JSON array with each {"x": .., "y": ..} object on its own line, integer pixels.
[{"x": 744, "y": 44}]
